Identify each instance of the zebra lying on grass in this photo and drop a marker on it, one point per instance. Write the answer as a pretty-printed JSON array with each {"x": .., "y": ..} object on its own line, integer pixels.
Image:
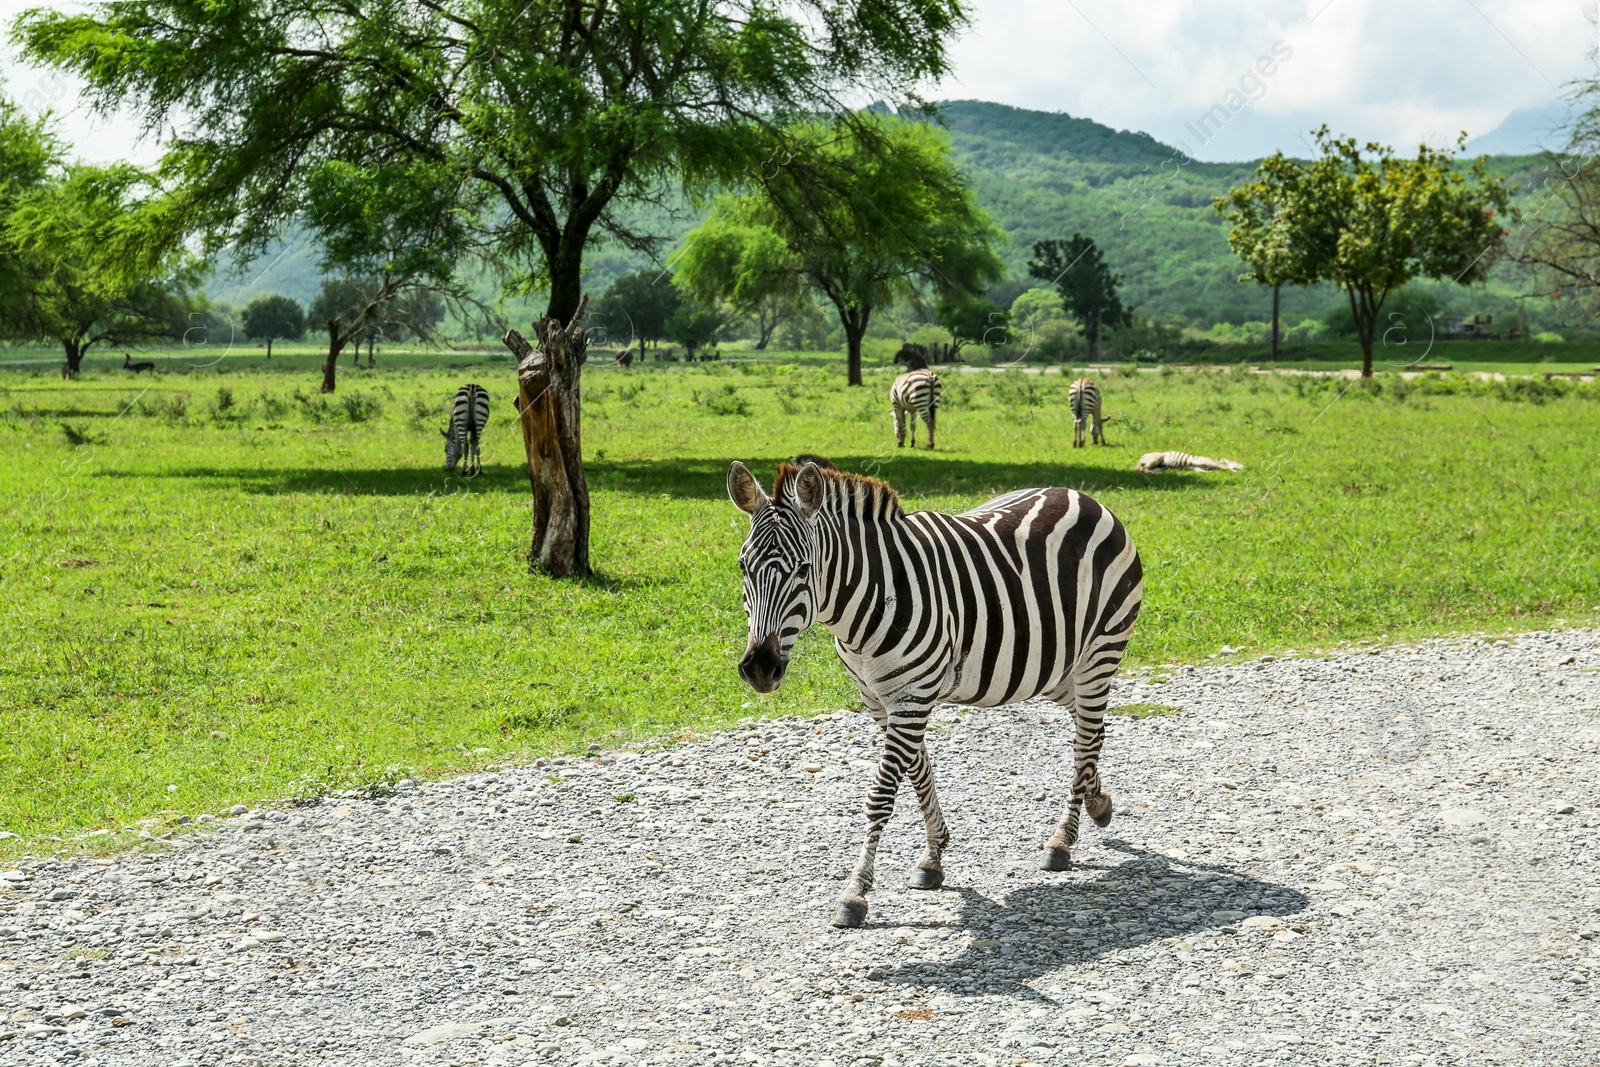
[
  {"x": 1183, "y": 461},
  {"x": 915, "y": 393},
  {"x": 1031, "y": 594},
  {"x": 1084, "y": 399},
  {"x": 469, "y": 414}
]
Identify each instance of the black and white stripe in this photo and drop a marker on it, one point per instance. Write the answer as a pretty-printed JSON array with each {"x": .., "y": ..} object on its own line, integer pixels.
[
  {"x": 468, "y": 416},
  {"x": 1151, "y": 462},
  {"x": 1031, "y": 594},
  {"x": 1084, "y": 399},
  {"x": 915, "y": 394}
]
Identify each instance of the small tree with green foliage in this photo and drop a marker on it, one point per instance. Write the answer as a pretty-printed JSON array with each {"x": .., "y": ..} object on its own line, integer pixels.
[
  {"x": 1367, "y": 223},
  {"x": 693, "y": 326},
  {"x": 749, "y": 268},
  {"x": 636, "y": 306},
  {"x": 1087, "y": 286},
  {"x": 867, "y": 210},
  {"x": 978, "y": 321},
  {"x": 271, "y": 317}
]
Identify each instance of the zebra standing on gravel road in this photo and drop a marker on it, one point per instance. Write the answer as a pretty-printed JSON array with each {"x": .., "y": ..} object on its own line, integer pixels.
[
  {"x": 468, "y": 416},
  {"x": 1084, "y": 399},
  {"x": 1033, "y": 593}
]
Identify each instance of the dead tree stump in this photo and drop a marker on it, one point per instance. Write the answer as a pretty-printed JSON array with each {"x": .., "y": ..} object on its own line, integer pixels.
[{"x": 548, "y": 402}]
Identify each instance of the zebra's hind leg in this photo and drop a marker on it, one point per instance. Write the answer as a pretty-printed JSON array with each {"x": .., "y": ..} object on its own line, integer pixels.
[
  {"x": 1087, "y": 702},
  {"x": 929, "y": 871},
  {"x": 902, "y": 739},
  {"x": 928, "y": 418},
  {"x": 900, "y": 429}
]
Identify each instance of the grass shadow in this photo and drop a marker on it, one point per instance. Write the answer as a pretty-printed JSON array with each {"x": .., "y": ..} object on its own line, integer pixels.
[
  {"x": 692, "y": 479},
  {"x": 1123, "y": 914}
]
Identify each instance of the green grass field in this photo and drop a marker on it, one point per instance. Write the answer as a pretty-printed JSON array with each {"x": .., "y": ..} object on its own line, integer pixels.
[{"x": 222, "y": 586}]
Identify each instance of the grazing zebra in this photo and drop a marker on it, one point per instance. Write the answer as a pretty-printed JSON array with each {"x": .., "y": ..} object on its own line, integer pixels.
[
  {"x": 468, "y": 416},
  {"x": 1183, "y": 461},
  {"x": 1084, "y": 399},
  {"x": 1031, "y": 594},
  {"x": 914, "y": 393}
]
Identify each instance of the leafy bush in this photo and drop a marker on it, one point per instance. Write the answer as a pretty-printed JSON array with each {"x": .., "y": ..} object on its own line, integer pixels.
[
  {"x": 171, "y": 407},
  {"x": 360, "y": 407},
  {"x": 82, "y": 435},
  {"x": 724, "y": 401}
]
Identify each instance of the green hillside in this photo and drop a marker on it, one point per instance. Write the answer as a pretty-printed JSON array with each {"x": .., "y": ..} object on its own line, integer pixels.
[{"x": 1046, "y": 175}]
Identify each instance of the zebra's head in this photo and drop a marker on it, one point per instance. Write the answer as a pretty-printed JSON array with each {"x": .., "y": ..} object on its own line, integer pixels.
[
  {"x": 779, "y": 595},
  {"x": 452, "y": 449}
]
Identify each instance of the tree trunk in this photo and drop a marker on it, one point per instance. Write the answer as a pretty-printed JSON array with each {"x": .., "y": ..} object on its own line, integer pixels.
[
  {"x": 548, "y": 400},
  {"x": 269, "y": 346},
  {"x": 336, "y": 343},
  {"x": 1275, "y": 289},
  {"x": 854, "y": 321},
  {"x": 74, "y": 353},
  {"x": 1366, "y": 325},
  {"x": 766, "y": 330}
]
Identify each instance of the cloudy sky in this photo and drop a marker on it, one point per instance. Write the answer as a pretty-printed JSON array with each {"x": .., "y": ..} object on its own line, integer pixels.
[{"x": 1399, "y": 71}]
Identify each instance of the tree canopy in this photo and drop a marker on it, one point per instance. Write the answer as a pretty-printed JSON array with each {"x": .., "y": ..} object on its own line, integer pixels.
[
  {"x": 748, "y": 268},
  {"x": 872, "y": 208},
  {"x": 1088, "y": 287},
  {"x": 559, "y": 113},
  {"x": 59, "y": 239},
  {"x": 1367, "y": 223},
  {"x": 271, "y": 317},
  {"x": 635, "y": 308}
]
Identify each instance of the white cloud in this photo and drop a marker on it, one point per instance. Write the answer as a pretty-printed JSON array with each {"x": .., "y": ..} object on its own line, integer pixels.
[{"x": 1380, "y": 70}]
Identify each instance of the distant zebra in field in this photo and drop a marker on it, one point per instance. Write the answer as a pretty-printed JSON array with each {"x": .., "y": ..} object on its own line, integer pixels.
[
  {"x": 1033, "y": 593},
  {"x": 1084, "y": 399},
  {"x": 915, "y": 393},
  {"x": 1151, "y": 462},
  {"x": 468, "y": 416},
  {"x": 137, "y": 368}
]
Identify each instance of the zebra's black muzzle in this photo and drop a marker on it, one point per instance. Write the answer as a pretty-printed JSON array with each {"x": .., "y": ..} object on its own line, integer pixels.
[{"x": 763, "y": 665}]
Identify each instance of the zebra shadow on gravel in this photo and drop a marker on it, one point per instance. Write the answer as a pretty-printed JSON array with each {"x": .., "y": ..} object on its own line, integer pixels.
[{"x": 1097, "y": 910}]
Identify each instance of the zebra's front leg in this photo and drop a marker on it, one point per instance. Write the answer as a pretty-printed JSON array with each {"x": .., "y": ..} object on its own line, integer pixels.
[
  {"x": 1088, "y": 714},
  {"x": 900, "y": 744}
]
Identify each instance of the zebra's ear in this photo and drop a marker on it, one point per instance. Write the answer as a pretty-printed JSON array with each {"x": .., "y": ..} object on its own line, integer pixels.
[
  {"x": 742, "y": 487},
  {"x": 808, "y": 489}
]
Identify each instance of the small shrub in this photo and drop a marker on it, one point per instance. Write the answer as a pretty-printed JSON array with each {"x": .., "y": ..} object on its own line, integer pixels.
[
  {"x": 172, "y": 408},
  {"x": 725, "y": 401},
  {"x": 360, "y": 407},
  {"x": 313, "y": 406},
  {"x": 82, "y": 435},
  {"x": 630, "y": 392},
  {"x": 272, "y": 406}
]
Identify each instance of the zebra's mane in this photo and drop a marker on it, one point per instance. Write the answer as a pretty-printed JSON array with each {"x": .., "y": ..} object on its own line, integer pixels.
[{"x": 872, "y": 497}]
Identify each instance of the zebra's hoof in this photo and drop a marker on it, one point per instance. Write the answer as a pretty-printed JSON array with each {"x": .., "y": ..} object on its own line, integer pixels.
[
  {"x": 1056, "y": 859},
  {"x": 1099, "y": 809},
  {"x": 925, "y": 878},
  {"x": 850, "y": 914}
]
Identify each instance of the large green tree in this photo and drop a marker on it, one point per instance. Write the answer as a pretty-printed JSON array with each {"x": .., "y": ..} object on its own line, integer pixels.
[
  {"x": 1088, "y": 287},
  {"x": 29, "y": 153},
  {"x": 873, "y": 209},
  {"x": 563, "y": 112},
  {"x": 1369, "y": 223},
  {"x": 63, "y": 235}
]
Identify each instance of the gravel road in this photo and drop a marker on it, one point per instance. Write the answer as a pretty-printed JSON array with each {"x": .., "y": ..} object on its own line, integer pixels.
[{"x": 1378, "y": 857}]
